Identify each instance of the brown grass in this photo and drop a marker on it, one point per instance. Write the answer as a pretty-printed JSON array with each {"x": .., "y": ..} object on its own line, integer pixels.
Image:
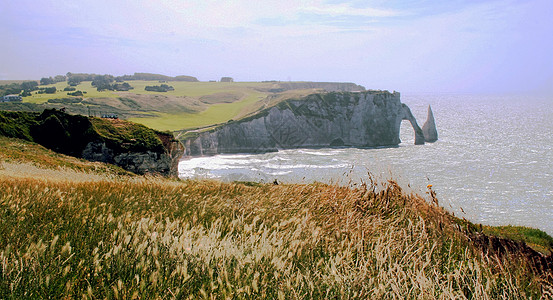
[{"x": 143, "y": 237}]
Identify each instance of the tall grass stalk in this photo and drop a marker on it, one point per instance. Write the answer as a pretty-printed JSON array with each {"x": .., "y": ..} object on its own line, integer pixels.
[{"x": 149, "y": 238}]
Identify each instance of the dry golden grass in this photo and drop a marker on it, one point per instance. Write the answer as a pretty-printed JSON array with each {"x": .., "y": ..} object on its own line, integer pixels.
[{"x": 126, "y": 237}]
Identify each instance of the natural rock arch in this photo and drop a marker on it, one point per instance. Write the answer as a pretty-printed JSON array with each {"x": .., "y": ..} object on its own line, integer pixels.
[{"x": 407, "y": 115}]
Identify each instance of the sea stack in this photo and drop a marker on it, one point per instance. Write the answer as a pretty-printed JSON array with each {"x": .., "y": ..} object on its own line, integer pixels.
[{"x": 429, "y": 128}]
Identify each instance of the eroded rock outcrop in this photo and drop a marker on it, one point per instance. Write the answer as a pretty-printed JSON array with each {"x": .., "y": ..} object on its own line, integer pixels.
[
  {"x": 349, "y": 119},
  {"x": 429, "y": 128},
  {"x": 133, "y": 147}
]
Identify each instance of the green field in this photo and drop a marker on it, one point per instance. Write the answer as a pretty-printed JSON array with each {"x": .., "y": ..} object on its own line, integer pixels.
[
  {"x": 189, "y": 105},
  {"x": 214, "y": 114},
  {"x": 182, "y": 89},
  {"x": 85, "y": 86}
]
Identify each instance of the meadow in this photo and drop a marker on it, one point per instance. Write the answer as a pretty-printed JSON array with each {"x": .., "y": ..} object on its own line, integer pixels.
[
  {"x": 189, "y": 105},
  {"x": 105, "y": 233}
]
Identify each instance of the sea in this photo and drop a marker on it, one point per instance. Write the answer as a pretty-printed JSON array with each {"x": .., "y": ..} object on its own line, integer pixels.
[{"x": 492, "y": 164}]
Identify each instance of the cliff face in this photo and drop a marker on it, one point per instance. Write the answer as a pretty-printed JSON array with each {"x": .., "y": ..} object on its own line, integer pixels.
[
  {"x": 350, "y": 119},
  {"x": 131, "y": 146},
  {"x": 161, "y": 161}
]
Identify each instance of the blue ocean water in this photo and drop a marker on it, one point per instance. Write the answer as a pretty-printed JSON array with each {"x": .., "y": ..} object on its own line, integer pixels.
[{"x": 492, "y": 164}]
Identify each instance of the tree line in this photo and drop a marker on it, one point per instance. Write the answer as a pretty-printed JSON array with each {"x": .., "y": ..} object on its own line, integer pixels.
[
  {"x": 101, "y": 82},
  {"x": 22, "y": 89}
]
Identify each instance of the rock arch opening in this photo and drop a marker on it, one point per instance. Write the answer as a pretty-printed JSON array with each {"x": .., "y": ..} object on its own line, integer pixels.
[{"x": 406, "y": 133}]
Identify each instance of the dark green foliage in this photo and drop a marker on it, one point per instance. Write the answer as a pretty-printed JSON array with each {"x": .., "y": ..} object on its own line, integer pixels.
[
  {"x": 17, "y": 124},
  {"x": 64, "y": 133},
  {"x": 47, "y": 90},
  {"x": 73, "y": 82},
  {"x": 69, "y": 89},
  {"x": 16, "y": 88},
  {"x": 60, "y": 78},
  {"x": 159, "y": 88},
  {"x": 52, "y": 134},
  {"x": 25, "y": 94},
  {"x": 74, "y": 79},
  {"x": 103, "y": 82},
  {"x": 29, "y": 86},
  {"x": 47, "y": 80},
  {"x": 76, "y": 93},
  {"x": 125, "y": 86}
]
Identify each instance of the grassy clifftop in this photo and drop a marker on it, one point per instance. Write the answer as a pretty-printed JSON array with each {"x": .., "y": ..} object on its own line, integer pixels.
[
  {"x": 66, "y": 133},
  {"x": 96, "y": 233},
  {"x": 187, "y": 105},
  {"x": 95, "y": 139}
]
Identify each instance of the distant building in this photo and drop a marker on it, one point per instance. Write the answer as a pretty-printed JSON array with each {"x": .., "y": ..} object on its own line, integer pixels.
[
  {"x": 227, "y": 79},
  {"x": 110, "y": 116},
  {"x": 11, "y": 98}
]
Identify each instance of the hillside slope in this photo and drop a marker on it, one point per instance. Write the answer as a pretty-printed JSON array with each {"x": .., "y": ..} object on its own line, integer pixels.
[
  {"x": 132, "y": 146},
  {"x": 104, "y": 234}
]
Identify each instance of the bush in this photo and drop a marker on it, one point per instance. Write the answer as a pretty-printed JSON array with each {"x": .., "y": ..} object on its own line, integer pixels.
[
  {"x": 77, "y": 93},
  {"x": 159, "y": 88},
  {"x": 48, "y": 90}
]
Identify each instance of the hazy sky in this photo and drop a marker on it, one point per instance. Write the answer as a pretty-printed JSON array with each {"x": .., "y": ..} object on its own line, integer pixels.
[{"x": 409, "y": 46}]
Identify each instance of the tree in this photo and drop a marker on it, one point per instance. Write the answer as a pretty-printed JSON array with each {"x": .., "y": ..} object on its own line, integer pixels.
[
  {"x": 50, "y": 90},
  {"x": 46, "y": 81},
  {"x": 29, "y": 86},
  {"x": 60, "y": 78},
  {"x": 73, "y": 81},
  {"x": 125, "y": 86},
  {"x": 103, "y": 82}
]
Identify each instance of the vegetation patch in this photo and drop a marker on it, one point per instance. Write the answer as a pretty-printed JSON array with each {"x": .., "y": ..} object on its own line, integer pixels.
[
  {"x": 535, "y": 238},
  {"x": 159, "y": 88},
  {"x": 127, "y": 135},
  {"x": 17, "y": 124}
]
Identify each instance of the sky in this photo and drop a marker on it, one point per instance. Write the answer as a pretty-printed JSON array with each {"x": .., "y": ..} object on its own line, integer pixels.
[{"x": 413, "y": 46}]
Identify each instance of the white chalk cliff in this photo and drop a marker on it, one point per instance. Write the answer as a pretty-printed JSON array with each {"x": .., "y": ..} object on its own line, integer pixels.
[{"x": 335, "y": 119}]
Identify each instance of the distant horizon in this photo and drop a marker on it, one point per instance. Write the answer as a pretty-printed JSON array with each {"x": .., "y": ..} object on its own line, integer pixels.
[
  {"x": 483, "y": 46},
  {"x": 543, "y": 92}
]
